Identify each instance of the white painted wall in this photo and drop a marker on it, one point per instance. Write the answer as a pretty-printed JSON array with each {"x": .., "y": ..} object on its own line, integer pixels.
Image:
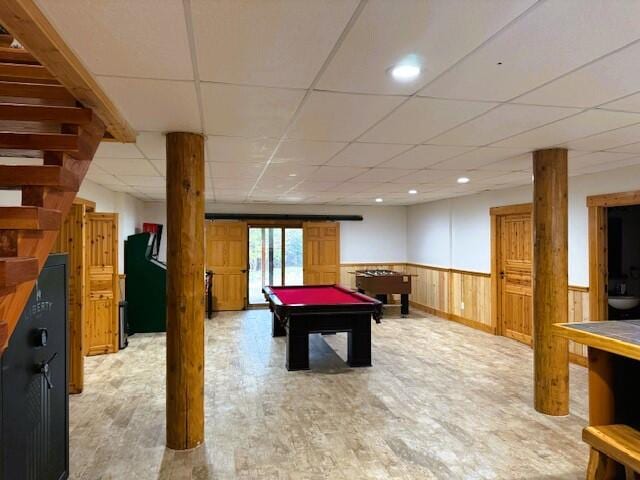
[
  {"x": 456, "y": 232},
  {"x": 129, "y": 209},
  {"x": 380, "y": 237}
]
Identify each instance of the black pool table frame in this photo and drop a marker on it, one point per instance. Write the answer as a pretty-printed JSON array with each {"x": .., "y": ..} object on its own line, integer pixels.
[{"x": 297, "y": 321}]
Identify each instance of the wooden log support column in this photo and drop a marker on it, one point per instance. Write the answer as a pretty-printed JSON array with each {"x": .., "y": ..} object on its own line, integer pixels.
[
  {"x": 550, "y": 280},
  {"x": 185, "y": 290}
]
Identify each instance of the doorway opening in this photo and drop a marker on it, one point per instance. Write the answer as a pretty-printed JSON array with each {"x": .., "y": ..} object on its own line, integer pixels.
[{"x": 275, "y": 258}]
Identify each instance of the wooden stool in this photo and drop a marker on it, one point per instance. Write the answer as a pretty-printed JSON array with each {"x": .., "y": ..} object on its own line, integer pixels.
[{"x": 619, "y": 443}]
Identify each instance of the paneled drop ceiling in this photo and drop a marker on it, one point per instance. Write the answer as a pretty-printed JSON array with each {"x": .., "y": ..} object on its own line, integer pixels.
[{"x": 297, "y": 103}]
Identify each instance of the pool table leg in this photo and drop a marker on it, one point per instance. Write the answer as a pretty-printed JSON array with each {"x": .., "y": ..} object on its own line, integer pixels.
[
  {"x": 297, "y": 347},
  {"x": 359, "y": 342},
  {"x": 277, "y": 329}
]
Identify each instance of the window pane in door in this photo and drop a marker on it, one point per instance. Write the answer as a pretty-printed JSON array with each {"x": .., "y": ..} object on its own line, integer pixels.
[{"x": 293, "y": 256}]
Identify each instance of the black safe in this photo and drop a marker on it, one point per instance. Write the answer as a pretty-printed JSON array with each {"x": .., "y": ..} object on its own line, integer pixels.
[{"x": 34, "y": 405}]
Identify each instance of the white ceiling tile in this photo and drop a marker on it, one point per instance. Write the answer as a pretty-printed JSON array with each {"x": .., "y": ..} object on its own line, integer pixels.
[
  {"x": 160, "y": 166},
  {"x": 600, "y": 167},
  {"x": 307, "y": 152},
  {"x": 420, "y": 119},
  {"x": 598, "y": 158},
  {"x": 336, "y": 174},
  {"x": 339, "y": 116},
  {"x": 235, "y": 170},
  {"x": 279, "y": 43},
  {"x": 630, "y": 103},
  {"x": 102, "y": 178},
  {"x": 379, "y": 175},
  {"x": 238, "y": 149},
  {"x": 248, "y": 111},
  {"x": 539, "y": 47},
  {"x": 126, "y": 166},
  {"x": 588, "y": 123},
  {"x": 352, "y": 187},
  {"x": 145, "y": 38},
  {"x": 153, "y": 145},
  {"x": 122, "y": 188},
  {"x": 290, "y": 172},
  {"x": 314, "y": 186},
  {"x": 513, "y": 164},
  {"x": 631, "y": 148},
  {"x": 607, "y": 140},
  {"x": 366, "y": 154},
  {"x": 612, "y": 77},
  {"x": 501, "y": 122},
  {"x": 108, "y": 149},
  {"x": 158, "y": 105},
  {"x": 443, "y": 178},
  {"x": 233, "y": 183},
  {"x": 144, "y": 181},
  {"x": 424, "y": 155},
  {"x": 437, "y": 32},
  {"x": 478, "y": 158}
]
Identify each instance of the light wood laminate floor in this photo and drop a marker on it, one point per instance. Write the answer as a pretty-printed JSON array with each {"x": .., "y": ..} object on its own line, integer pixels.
[{"x": 442, "y": 401}]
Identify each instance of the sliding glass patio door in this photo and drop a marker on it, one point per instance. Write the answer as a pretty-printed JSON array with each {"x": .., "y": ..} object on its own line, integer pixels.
[{"x": 275, "y": 258}]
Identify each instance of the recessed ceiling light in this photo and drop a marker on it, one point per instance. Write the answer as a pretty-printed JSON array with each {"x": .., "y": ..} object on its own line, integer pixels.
[
  {"x": 463, "y": 180},
  {"x": 378, "y": 200},
  {"x": 293, "y": 174},
  {"x": 413, "y": 192},
  {"x": 405, "y": 72}
]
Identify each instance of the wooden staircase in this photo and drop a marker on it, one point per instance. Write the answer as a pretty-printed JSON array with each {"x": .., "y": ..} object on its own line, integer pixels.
[{"x": 52, "y": 139}]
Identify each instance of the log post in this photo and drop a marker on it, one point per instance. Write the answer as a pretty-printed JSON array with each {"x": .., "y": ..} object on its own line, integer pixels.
[
  {"x": 185, "y": 290},
  {"x": 550, "y": 280}
]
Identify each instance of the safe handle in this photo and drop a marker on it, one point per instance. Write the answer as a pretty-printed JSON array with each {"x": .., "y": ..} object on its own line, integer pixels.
[{"x": 45, "y": 370}]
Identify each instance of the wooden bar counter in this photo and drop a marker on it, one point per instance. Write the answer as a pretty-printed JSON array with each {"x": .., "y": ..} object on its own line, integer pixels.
[{"x": 614, "y": 369}]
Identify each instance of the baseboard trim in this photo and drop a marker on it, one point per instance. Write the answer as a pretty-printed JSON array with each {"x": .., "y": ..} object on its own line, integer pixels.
[
  {"x": 573, "y": 357},
  {"x": 454, "y": 318}
]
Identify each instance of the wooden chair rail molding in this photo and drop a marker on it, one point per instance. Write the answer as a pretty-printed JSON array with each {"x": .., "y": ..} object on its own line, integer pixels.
[
  {"x": 38, "y": 118},
  {"x": 25, "y": 20}
]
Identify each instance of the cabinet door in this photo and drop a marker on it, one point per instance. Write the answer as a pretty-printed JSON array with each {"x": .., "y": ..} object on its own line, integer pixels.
[
  {"x": 101, "y": 315},
  {"x": 321, "y": 253},
  {"x": 226, "y": 256}
]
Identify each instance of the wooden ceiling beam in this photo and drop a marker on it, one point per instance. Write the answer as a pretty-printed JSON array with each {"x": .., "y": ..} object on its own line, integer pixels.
[{"x": 27, "y": 23}]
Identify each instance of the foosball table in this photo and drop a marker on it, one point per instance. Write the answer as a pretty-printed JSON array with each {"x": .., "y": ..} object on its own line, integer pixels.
[{"x": 383, "y": 283}]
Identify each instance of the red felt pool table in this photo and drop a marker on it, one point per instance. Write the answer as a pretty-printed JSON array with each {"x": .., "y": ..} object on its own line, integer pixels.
[{"x": 301, "y": 310}]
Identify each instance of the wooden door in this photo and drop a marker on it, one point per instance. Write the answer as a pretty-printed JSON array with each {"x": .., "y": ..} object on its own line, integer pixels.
[
  {"x": 71, "y": 240},
  {"x": 226, "y": 256},
  {"x": 101, "y": 312},
  {"x": 321, "y": 253},
  {"x": 515, "y": 300}
]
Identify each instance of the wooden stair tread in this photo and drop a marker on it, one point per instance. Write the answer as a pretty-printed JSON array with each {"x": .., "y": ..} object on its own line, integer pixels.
[
  {"x": 43, "y": 91},
  {"x": 51, "y": 176},
  {"x": 45, "y": 113},
  {"x": 29, "y": 218},
  {"x": 25, "y": 72},
  {"x": 619, "y": 442},
  {"x": 16, "y": 270},
  {"x": 54, "y": 142},
  {"x": 16, "y": 55}
]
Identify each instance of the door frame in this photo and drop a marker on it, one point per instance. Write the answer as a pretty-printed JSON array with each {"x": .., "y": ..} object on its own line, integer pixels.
[
  {"x": 598, "y": 243},
  {"x": 282, "y": 225},
  {"x": 496, "y": 213}
]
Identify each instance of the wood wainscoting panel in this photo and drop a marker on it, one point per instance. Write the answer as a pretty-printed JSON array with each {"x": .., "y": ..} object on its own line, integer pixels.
[{"x": 471, "y": 298}]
